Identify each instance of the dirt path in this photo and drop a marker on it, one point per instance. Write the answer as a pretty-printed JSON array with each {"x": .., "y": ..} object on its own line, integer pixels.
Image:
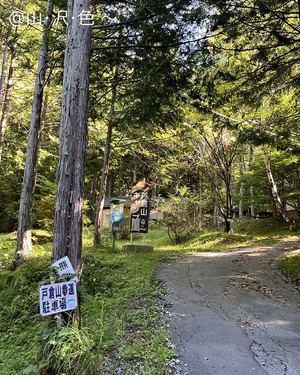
[{"x": 232, "y": 314}]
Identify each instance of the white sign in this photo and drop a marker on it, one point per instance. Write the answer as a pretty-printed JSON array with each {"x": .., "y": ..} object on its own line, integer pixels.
[
  {"x": 57, "y": 298},
  {"x": 64, "y": 267}
]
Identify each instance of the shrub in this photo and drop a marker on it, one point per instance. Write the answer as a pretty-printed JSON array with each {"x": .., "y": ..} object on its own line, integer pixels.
[{"x": 181, "y": 216}]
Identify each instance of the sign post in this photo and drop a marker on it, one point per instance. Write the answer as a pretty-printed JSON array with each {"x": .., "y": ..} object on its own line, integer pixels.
[
  {"x": 64, "y": 267},
  {"x": 139, "y": 215},
  {"x": 116, "y": 218},
  {"x": 58, "y": 298},
  {"x": 139, "y": 209}
]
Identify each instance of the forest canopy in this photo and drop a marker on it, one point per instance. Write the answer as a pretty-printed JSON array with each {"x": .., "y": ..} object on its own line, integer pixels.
[{"x": 200, "y": 97}]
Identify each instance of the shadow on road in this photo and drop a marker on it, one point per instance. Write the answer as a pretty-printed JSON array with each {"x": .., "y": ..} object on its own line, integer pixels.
[{"x": 232, "y": 314}]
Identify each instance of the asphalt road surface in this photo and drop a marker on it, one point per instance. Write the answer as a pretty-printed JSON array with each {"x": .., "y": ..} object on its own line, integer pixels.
[{"x": 232, "y": 313}]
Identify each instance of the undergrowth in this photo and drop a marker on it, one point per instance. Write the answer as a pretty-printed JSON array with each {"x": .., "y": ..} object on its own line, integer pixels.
[
  {"x": 124, "y": 323},
  {"x": 290, "y": 266}
]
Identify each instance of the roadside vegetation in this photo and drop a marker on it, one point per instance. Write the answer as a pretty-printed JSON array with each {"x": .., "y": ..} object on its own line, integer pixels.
[
  {"x": 290, "y": 266},
  {"x": 124, "y": 322}
]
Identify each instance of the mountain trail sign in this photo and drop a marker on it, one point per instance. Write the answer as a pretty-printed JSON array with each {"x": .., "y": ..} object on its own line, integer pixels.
[
  {"x": 139, "y": 209},
  {"x": 58, "y": 298}
]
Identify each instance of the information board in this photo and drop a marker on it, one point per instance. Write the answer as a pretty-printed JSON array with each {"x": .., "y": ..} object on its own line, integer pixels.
[
  {"x": 139, "y": 209},
  {"x": 57, "y": 298}
]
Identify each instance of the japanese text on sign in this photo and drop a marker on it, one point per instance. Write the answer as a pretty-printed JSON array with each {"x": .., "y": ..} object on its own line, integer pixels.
[
  {"x": 57, "y": 298},
  {"x": 139, "y": 209}
]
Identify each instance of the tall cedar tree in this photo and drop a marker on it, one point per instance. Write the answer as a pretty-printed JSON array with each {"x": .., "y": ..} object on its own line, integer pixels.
[
  {"x": 24, "y": 244},
  {"x": 67, "y": 237}
]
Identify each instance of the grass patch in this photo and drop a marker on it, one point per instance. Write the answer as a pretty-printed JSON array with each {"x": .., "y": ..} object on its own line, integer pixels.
[
  {"x": 124, "y": 307},
  {"x": 290, "y": 266},
  {"x": 123, "y": 321},
  {"x": 7, "y": 247},
  {"x": 246, "y": 233}
]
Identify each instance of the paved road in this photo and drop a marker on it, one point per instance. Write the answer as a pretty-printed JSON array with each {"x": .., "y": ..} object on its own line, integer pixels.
[{"x": 232, "y": 314}]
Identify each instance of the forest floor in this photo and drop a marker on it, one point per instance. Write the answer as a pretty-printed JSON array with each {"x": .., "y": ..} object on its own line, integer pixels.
[{"x": 232, "y": 313}]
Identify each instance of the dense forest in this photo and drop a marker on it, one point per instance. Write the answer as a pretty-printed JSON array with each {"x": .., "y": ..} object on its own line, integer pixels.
[{"x": 198, "y": 98}]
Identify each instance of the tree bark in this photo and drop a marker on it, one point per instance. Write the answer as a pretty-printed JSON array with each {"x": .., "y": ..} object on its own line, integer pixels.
[
  {"x": 24, "y": 244},
  {"x": 222, "y": 155},
  {"x": 68, "y": 221},
  {"x": 93, "y": 192},
  {"x": 5, "y": 57},
  {"x": 251, "y": 189},
  {"x": 200, "y": 214},
  {"x": 216, "y": 216},
  {"x": 280, "y": 210},
  {"x": 105, "y": 168},
  {"x": 8, "y": 91},
  {"x": 6, "y": 83},
  {"x": 241, "y": 188},
  {"x": 229, "y": 204}
]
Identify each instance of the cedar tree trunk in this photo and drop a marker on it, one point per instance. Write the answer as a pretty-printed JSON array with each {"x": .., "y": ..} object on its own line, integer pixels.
[
  {"x": 105, "y": 168},
  {"x": 67, "y": 236},
  {"x": 24, "y": 245}
]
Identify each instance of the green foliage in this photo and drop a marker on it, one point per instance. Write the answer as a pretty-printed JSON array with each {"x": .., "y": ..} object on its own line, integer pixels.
[
  {"x": 153, "y": 137},
  {"x": 123, "y": 324},
  {"x": 10, "y": 190},
  {"x": 98, "y": 275},
  {"x": 7, "y": 247},
  {"x": 290, "y": 265},
  {"x": 44, "y": 204},
  {"x": 18, "y": 295},
  {"x": 70, "y": 351},
  {"x": 125, "y": 299},
  {"x": 181, "y": 216},
  {"x": 246, "y": 233},
  {"x": 264, "y": 32},
  {"x": 18, "y": 312}
]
